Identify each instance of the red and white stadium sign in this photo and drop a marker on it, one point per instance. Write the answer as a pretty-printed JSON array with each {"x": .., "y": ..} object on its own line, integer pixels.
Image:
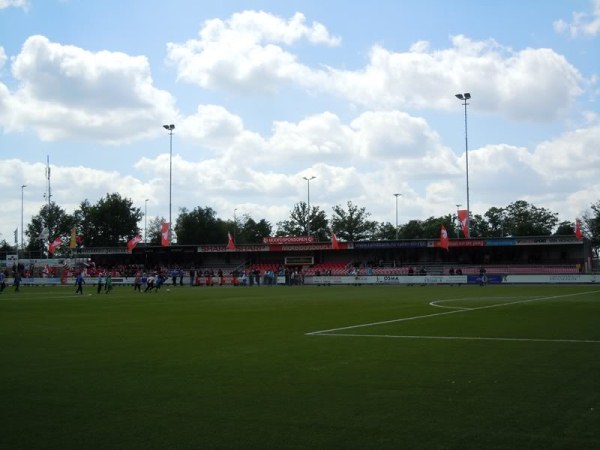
[{"x": 288, "y": 240}]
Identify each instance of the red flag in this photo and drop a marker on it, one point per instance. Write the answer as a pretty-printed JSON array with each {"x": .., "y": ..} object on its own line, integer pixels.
[
  {"x": 444, "y": 241},
  {"x": 165, "y": 234},
  {"x": 230, "y": 244},
  {"x": 463, "y": 218},
  {"x": 334, "y": 242},
  {"x": 578, "y": 232},
  {"x": 54, "y": 245},
  {"x": 133, "y": 242}
]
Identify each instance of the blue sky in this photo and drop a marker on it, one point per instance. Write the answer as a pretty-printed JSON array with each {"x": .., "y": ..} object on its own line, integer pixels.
[{"x": 262, "y": 93}]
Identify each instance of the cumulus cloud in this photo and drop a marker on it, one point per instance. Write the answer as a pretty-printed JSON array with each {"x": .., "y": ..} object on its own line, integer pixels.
[
  {"x": 65, "y": 91},
  {"x": 70, "y": 186},
  {"x": 366, "y": 165},
  {"x": 501, "y": 80},
  {"x": 244, "y": 53},
  {"x": 213, "y": 126},
  {"x": 372, "y": 136},
  {"x": 572, "y": 157},
  {"x": 582, "y": 23},
  {"x": 322, "y": 134}
]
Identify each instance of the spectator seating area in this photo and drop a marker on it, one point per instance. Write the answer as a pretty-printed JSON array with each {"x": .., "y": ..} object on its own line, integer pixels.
[{"x": 343, "y": 268}]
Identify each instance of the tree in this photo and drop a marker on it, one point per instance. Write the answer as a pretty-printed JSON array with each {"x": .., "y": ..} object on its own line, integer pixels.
[
  {"x": 252, "y": 232},
  {"x": 110, "y": 222},
  {"x": 5, "y": 247},
  {"x": 299, "y": 220},
  {"x": 51, "y": 222},
  {"x": 523, "y": 219},
  {"x": 413, "y": 229},
  {"x": 352, "y": 224},
  {"x": 200, "y": 226},
  {"x": 496, "y": 221},
  {"x": 153, "y": 235},
  {"x": 478, "y": 227},
  {"x": 385, "y": 231},
  {"x": 565, "y": 228},
  {"x": 428, "y": 228},
  {"x": 590, "y": 224}
]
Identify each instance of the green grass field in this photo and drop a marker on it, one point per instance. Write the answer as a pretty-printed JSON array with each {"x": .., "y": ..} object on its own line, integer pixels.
[{"x": 495, "y": 367}]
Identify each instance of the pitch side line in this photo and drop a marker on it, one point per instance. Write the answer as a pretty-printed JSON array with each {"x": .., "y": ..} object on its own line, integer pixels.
[
  {"x": 405, "y": 319},
  {"x": 463, "y": 338}
]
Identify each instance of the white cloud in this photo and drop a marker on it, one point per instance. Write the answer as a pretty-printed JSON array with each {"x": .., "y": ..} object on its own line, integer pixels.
[
  {"x": 213, "y": 126},
  {"x": 242, "y": 53},
  {"x": 574, "y": 157},
  {"x": 24, "y": 4},
  {"x": 238, "y": 55},
  {"x": 65, "y": 91},
  {"x": 431, "y": 178},
  {"x": 500, "y": 80},
  {"x": 582, "y": 24},
  {"x": 323, "y": 135}
]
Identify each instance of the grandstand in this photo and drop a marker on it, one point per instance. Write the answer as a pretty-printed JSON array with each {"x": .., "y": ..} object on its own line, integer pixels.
[{"x": 499, "y": 256}]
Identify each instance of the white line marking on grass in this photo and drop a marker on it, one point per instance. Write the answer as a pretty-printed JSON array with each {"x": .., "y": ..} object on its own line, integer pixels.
[
  {"x": 438, "y": 303},
  {"x": 463, "y": 338},
  {"x": 455, "y": 311}
]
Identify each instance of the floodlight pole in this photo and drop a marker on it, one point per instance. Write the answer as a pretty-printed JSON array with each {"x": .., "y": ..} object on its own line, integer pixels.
[
  {"x": 234, "y": 224},
  {"x": 397, "y": 195},
  {"x": 464, "y": 97},
  {"x": 170, "y": 129},
  {"x": 308, "y": 204},
  {"x": 22, "y": 188}
]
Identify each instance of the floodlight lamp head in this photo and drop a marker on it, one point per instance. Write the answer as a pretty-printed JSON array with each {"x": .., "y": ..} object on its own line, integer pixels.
[
  {"x": 459, "y": 96},
  {"x": 467, "y": 96},
  {"x": 169, "y": 127}
]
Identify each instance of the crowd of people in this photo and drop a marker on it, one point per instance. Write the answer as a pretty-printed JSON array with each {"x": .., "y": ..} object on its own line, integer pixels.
[{"x": 154, "y": 280}]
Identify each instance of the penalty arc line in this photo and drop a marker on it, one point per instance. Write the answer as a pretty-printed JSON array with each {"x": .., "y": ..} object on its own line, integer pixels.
[{"x": 426, "y": 316}]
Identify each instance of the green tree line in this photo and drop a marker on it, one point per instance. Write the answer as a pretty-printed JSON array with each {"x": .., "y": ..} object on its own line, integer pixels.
[{"x": 113, "y": 220}]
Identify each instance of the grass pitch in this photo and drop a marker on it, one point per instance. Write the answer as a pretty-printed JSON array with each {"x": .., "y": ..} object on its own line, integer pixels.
[{"x": 292, "y": 368}]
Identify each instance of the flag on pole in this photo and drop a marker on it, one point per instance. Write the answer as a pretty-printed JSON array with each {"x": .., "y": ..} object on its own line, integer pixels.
[
  {"x": 165, "y": 232},
  {"x": 334, "y": 242},
  {"x": 55, "y": 244},
  {"x": 444, "y": 241},
  {"x": 463, "y": 218},
  {"x": 17, "y": 236},
  {"x": 133, "y": 242},
  {"x": 230, "y": 243},
  {"x": 73, "y": 241},
  {"x": 578, "y": 232}
]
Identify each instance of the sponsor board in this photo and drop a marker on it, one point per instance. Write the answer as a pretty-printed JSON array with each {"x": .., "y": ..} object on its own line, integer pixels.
[
  {"x": 422, "y": 279},
  {"x": 288, "y": 239},
  {"x": 562, "y": 279}
]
